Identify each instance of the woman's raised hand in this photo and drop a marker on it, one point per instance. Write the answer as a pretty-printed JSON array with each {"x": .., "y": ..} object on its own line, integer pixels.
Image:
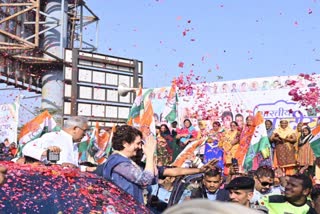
[{"x": 149, "y": 147}]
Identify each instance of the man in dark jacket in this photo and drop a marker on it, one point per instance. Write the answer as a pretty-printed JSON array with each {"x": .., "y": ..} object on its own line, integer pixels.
[{"x": 210, "y": 187}]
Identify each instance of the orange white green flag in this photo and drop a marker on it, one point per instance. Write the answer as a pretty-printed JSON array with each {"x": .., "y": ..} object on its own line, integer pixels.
[
  {"x": 315, "y": 141},
  {"x": 134, "y": 115},
  {"x": 141, "y": 113},
  {"x": 188, "y": 153},
  {"x": 170, "y": 109},
  {"x": 259, "y": 142},
  {"x": 35, "y": 128}
]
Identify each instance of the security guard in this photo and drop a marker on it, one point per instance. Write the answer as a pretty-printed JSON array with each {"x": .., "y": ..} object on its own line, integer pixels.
[{"x": 241, "y": 191}]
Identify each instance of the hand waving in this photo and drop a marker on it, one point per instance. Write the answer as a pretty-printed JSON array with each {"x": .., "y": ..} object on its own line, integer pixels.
[
  {"x": 209, "y": 166},
  {"x": 150, "y": 146}
]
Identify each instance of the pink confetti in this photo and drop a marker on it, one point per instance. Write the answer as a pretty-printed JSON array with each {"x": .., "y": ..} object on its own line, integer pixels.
[{"x": 181, "y": 64}]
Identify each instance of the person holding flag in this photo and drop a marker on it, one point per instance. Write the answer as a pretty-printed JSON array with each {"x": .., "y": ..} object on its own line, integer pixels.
[{"x": 253, "y": 141}]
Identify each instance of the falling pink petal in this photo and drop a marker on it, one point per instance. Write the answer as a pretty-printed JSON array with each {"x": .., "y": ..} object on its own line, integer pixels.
[
  {"x": 296, "y": 23},
  {"x": 217, "y": 67},
  {"x": 309, "y": 11},
  {"x": 181, "y": 64}
]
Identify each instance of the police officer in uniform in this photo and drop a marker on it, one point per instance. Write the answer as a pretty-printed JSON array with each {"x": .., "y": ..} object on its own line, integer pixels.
[{"x": 241, "y": 191}]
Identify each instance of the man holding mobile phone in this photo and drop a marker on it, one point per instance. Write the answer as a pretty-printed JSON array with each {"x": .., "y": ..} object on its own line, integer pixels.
[{"x": 63, "y": 142}]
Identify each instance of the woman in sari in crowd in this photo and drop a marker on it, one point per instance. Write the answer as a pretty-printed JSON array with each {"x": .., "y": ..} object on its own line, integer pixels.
[
  {"x": 184, "y": 136},
  {"x": 166, "y": 134},
  {"x": 270, "y": 129},
  {"x": 245, "y": 139},
  {"x": 157, "y": 131},
  {"x": 285, "y": 139},
  {"x": 230, "y": 143},
  {"x": 298, "y": 135},
  {"x": 164, "y": 152},
  {"x": 306, "y": 157},
  {"x": 213, "y": 148}
]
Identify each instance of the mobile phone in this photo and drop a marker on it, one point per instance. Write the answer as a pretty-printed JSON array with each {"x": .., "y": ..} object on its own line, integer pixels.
[
  {"x": 53, "y": 156},
  {"x": 234, "y": 161}
]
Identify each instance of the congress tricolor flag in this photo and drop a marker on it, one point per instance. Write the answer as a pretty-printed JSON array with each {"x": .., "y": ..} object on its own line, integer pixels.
[
  {"x": 259, "y": 142},
  {"x": 315, "y": 141}
]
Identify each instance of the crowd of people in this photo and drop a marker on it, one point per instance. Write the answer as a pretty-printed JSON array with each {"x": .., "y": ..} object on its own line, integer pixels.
[{"x": 141, "y": 163}]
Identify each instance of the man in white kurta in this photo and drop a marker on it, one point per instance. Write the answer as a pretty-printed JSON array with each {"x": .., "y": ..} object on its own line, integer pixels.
[
  {"x": 64, "y": 141},
  {"x": 61, "y": 139}
]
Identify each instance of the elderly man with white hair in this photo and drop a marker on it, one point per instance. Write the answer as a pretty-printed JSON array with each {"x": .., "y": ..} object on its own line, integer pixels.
[{"x": 63, "y": 141}]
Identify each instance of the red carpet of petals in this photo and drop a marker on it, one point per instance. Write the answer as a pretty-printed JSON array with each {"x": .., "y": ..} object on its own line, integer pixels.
[{"x": 31, "y": 188}]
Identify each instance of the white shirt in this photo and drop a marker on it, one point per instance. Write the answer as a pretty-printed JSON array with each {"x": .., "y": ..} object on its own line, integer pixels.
[
  {"x": 212, "y": 196},
  {"x": 258, "y": 195},
  {"x": 61, "y": 139}
]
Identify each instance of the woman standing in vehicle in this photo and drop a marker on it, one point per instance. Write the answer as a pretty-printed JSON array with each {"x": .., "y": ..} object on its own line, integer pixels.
[{"x": 122, "y": 170}]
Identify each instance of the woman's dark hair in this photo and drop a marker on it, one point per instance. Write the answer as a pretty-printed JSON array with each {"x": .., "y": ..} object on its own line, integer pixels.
[
  {"x": 269, "y": 122},
  {"x": 235, "y": 123},
  {"x": 216, "y": 123},
  {"x": 188, "y": 121},
  {"x": 305, "y": 127},
  {"x": 167, "y": 131},
  {"x": 124, "y": 134}
]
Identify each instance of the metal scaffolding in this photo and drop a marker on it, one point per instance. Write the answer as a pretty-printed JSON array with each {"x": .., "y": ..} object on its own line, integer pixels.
[{"x": 23, "y": 25}]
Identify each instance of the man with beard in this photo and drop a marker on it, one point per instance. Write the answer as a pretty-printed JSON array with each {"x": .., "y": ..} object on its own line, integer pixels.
[
  {"x": 264, "y": 184},
  {"x": 294, "y": 201},
  {"x": 210, "y": 187}
]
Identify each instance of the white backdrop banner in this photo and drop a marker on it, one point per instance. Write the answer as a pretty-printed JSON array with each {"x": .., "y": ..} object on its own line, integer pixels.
[
  {"x": 235, "y": 100},
  {"x": 9, "y": 114}
]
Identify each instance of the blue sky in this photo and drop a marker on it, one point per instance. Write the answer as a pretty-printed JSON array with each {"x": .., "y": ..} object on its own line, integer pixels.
[{"x": 232, "y": 39}]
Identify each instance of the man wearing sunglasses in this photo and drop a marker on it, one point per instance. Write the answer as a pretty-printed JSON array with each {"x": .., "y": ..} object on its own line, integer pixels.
[
  {"x": 264, "y": 184},
  {"x": 61, "y": 142}
]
